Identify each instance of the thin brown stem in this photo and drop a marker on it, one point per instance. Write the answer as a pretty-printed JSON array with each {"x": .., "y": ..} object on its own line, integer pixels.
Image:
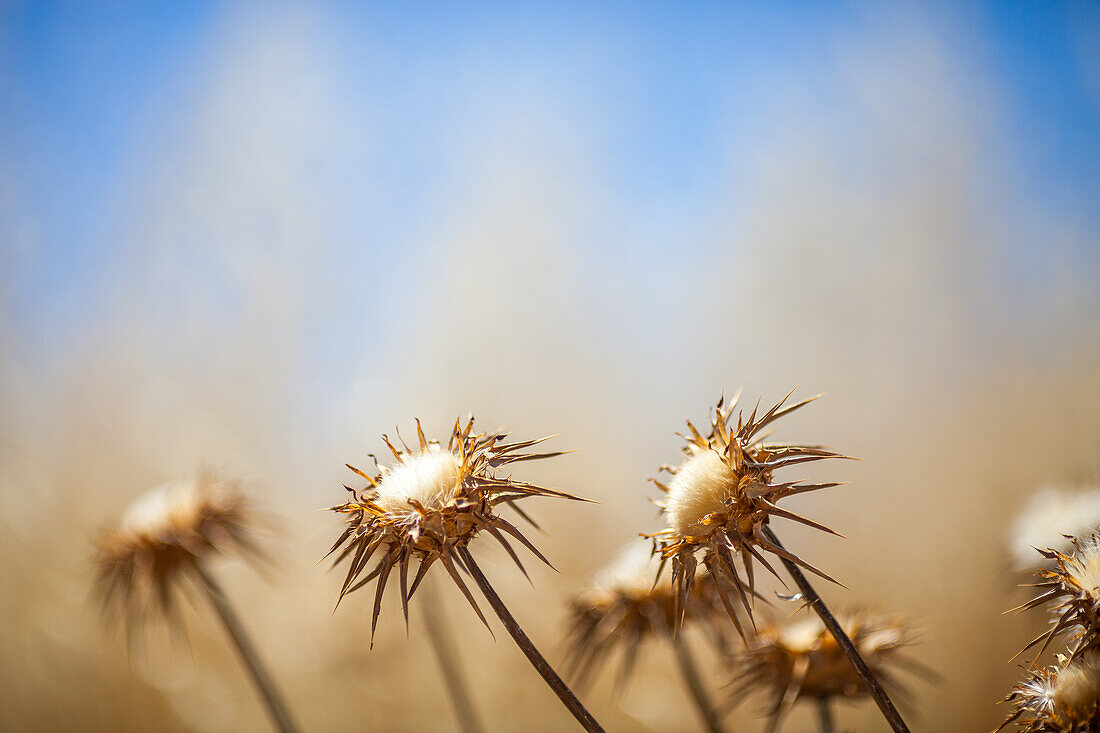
[
  {"x": 524, "y": 643},
  {"x": 825, "y": 716},
  {"x": 893, "y": 717},
  {"x": 695, "y": 686},
  {"x": 277, "y": 709},
  {"x": 445, "y": 654}
]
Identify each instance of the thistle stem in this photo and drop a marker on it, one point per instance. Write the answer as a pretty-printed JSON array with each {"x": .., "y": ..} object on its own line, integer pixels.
[
  {"x": 524, "y": 643},
  {"x": 280, "y": 717},
  {"x": 445, "y": 654},
  {"x": 825, "y": 715},
  {"x": 893, "y": 717},
  {"x": 695, "y": 685}
]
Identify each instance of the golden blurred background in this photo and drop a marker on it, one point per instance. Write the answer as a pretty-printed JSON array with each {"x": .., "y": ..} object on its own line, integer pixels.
[{"x": 316, "y": 223}]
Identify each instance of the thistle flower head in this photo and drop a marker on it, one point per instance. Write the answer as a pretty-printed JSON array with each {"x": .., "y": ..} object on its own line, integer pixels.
[
  {"x": 163, "y": 533},
  {"x": 1050, "y": 518},
  {"x": 723, "y": 495},
  {"x": 1072, "y": 588},
  {"x": 1062, "y": 698},
  {"x": 803, "y": 661},
  {"x": 622, "y": 607},
  {"x": 428, "y": 505}
]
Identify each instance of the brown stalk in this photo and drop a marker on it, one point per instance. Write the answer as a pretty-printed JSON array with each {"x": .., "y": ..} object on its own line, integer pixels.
[
  {"x": 276, "y": 708},
  {"x": 893, "y": 717},
  {"x": 825, "y": 716},
  {"x": 695, "y": 686},
  {"x": 524, "y": 643},
  {"x": 445, "y": 654}
]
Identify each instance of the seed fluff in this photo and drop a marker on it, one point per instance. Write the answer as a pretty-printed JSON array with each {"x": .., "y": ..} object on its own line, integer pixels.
[{"x": 1049, "y": 519}]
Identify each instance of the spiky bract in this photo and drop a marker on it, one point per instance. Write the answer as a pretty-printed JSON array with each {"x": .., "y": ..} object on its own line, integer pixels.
[
  {"x": 1072, "y": 588},
  {"x": 623, "y": 607},
  {"x": 722, "y": 496},
  {"x": 803, "y": 661},
  {"x": 163, "y": 534},
  {"x": 1062, "y": 698},
  {"x": 430, "y": 504}
]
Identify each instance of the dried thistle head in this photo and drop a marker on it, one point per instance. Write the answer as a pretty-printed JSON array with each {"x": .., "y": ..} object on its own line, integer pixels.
[
  {"x": 163, "y": 534},
  {"x": 1062, "y": 698},
  {"x": 1072, "y": 588},
  {"x": 723, "y": 495},
  {"x": 622, "y": 607},
  {"x": 803, "y": 661},
  {"x": 429, "y": 504}
]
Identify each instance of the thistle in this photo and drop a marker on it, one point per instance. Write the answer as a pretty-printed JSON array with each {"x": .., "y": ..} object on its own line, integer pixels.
[
  {"x": 720, "y": 503},
  {"x": 803, "y": 662},
  {"x": 721, "y": 498},
  {"x": 623, "y": 608},
  {"x": 428, "y": 506},
  {"x": 167, "y": 535},
  {"x": 1062, "y": 698},
  {"x": 1072, "y": 588}
]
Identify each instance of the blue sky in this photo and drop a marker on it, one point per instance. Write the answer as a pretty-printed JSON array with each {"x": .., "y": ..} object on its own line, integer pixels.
[{"x": 668, "y": 95}]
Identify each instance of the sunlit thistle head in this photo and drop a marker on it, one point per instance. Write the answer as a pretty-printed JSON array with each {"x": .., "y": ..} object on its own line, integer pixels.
[
  {"x": 428, "y": 505},
  {"x": 1072, "y": 590},
  {"x": 622, "y": 607},
  {"x": 1049, "y": 519},
  {"x": 163, "y": 534},
  {"x": 429, "y": 478},
  {"x": 802, "y": 660},
  {"x": 1063, "y": 698},
  {"x": 723, "y": 495}
]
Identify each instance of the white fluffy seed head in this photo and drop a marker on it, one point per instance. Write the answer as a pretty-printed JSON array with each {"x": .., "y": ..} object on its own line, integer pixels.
[
  {"x": 632, "y": 571},
  {"x": 1085, "y": 566},
  {"x": 1077, "y": 687},
  {"x": 164, "y": 508},
  {"x": 802, "y": 635},
  {"x": 157, "y": 506},
  {"x": 1047, "y": 518},
  {"x": 430, "y": 477},
  {"x": 700, "y": 487}
]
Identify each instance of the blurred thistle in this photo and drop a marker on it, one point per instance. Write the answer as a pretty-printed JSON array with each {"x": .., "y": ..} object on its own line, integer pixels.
[
  {"x": 1062, "y": 698},
  {"x": 160, "y": 538},
  {"x": 1072, "y": 590},
  {"x": 622, "y": 608},
  {"x": 167, "y": 535},
  {"x": 720, "y": 502},
  {"x": 803, "y": 662},
  {"x": 1050, "y": 518},
  {"x": 427, "y": 507}
]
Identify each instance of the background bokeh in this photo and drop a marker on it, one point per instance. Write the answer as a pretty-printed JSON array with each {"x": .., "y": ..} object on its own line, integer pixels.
[{"x": 254, "y": 236}]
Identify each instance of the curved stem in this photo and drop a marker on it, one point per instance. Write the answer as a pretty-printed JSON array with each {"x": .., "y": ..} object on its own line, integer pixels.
[
  {"x": 694, "y": 684},
  {"x": 893, "y": 717},
  {"x": 276, "y": 708},
  {"x": 524, "y": 643},
  {"x": 445, "y": 654},
  {"x": 825, "y": 715}
]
